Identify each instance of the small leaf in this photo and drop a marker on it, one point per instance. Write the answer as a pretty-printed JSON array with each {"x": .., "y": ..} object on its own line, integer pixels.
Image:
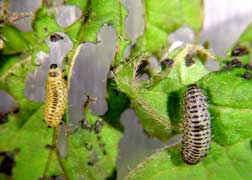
[{"x": 15, "y": 40}]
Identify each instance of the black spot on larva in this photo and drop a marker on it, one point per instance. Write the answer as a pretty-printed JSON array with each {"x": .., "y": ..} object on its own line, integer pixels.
[
  {"x": 197, "y": 126},
  {"x": 65, "y": 77},
  {"x": 246, "y": 75},
  {"x": 141, "y": 68},
  {"x": 236, "y": 63},
  {"x": 56, "y": 37},
  {"x": 3, "y": 118},
  {"x": 189, "y": 60},
  {"x": 167, "y": 63},
  {"x": 88, "y": 147},
  {"x": 53, "y": 66},
  {"x": 247, "y": 66},
  {"x": 8, "y": 163},
  {"x": 98, "y": 126},
  {"x": 239, "y": 51}
]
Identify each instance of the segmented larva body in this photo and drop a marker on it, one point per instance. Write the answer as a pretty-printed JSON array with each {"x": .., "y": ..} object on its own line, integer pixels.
[
  {"x": 197, "y": 126},
  {"x": 56, "y": 96}
]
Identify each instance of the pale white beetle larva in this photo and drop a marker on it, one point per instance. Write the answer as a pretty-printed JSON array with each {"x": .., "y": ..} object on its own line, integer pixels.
[{"x": 196, "y": 126}]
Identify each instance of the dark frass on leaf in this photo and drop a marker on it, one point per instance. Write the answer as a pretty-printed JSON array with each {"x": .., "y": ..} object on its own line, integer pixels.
[
  {"x": 140, "y": 70},
  {"x": 239, "y": 51},
  {"x": 167, "y": 63},
  {"x": 247, "y": 75},
  {"x": 98, "y": 126},
  {"x": 56, "y": 37},
  {"x": 248, "y": 66},
  {"x": 189, "y": 60},
  {"x": 236, "y": 63},
  {"x": 86, "y": 125}
]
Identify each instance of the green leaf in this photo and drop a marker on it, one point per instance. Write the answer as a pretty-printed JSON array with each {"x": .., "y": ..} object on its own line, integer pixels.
[
  {"x": 230, "y": 105},
  {"x": 15, "y": 40},
  {"x": 229, "y": 162},
  {"x": 228, "y": 88},
  {"x": 162, "y": 18},
  {"x": 13, "y": 81},
  {"x": 29, "y": 143},
  {"x": 109, "y": 12},
  {"x": 45, "y": 24},
  {"x": 245, "y": 38},
  {"x": 117, "y": 103}
]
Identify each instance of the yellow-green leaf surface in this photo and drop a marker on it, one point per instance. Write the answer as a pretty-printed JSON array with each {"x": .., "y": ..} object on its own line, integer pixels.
[
  {"x": 229, "y": 96},
  {"x": 230, "y": 162},
  {"x": 164, "y": 17}
]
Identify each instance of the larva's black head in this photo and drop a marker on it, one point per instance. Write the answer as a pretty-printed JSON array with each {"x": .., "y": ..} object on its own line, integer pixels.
[{"x": 53, "y": 66}]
